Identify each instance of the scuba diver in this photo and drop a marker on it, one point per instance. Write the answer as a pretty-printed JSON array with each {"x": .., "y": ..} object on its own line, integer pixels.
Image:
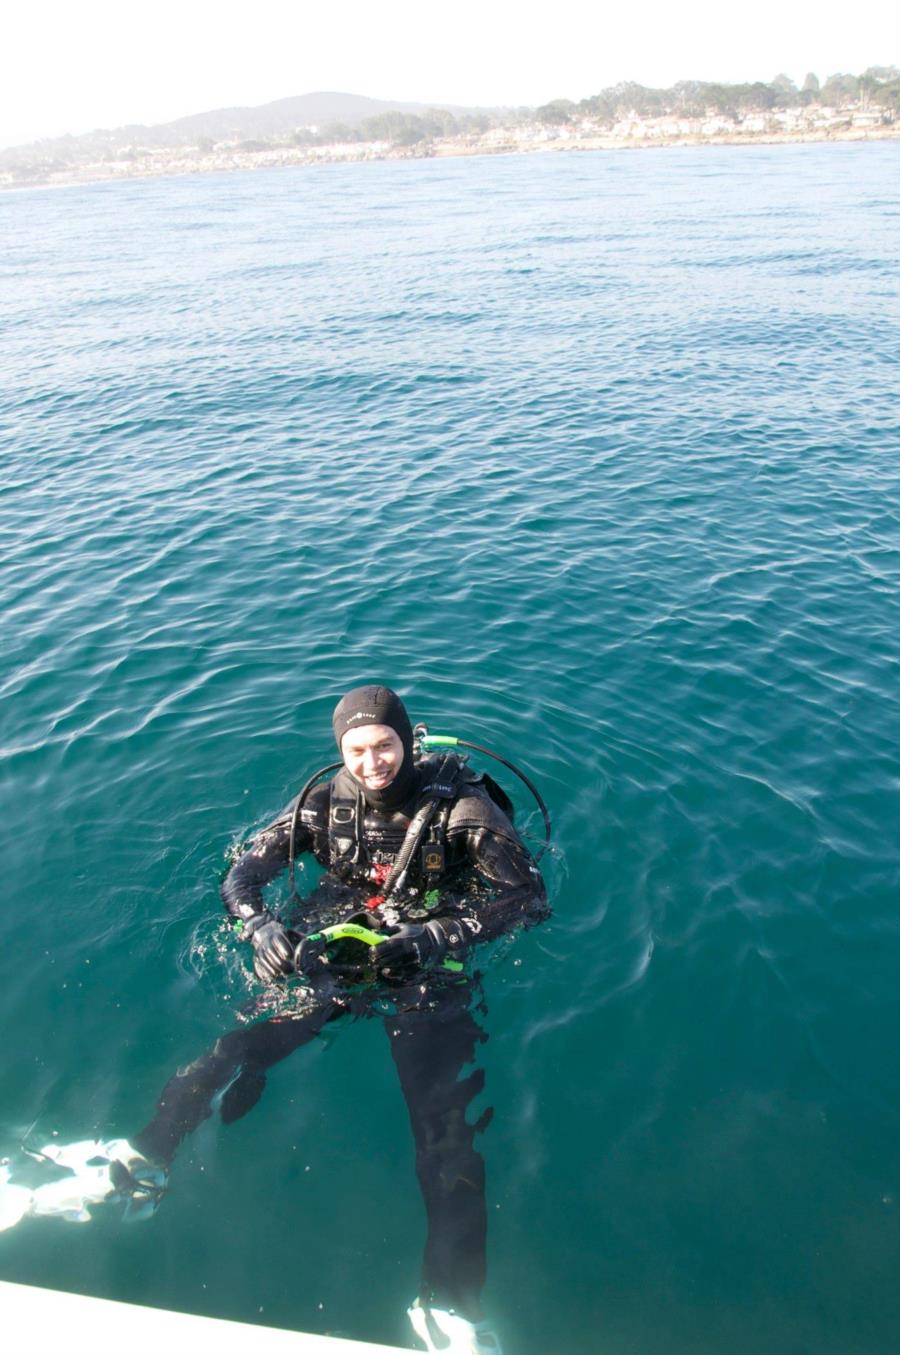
[{"x": 422, "y": 865}]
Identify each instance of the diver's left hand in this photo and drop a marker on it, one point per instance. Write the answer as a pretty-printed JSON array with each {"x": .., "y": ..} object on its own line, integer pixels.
[{"x": 413, "y": 946}]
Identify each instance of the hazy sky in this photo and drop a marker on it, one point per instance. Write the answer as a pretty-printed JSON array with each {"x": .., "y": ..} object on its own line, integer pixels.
[{"x": 81, "y": 64}]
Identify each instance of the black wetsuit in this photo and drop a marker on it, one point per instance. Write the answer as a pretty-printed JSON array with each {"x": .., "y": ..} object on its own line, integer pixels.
[{"x": 489, "y": 884}]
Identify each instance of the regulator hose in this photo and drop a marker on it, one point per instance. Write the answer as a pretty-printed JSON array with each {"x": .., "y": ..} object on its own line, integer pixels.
[
  {"x": 427, "y": 740},
  {"x": 298, "y": 805}
]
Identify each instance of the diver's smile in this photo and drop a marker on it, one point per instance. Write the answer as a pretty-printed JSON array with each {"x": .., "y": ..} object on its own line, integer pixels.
[{"x": 373, "y": 755}]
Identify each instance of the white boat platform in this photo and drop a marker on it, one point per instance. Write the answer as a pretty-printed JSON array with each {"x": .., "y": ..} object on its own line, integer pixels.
[{"x": 46, "y": 1319}]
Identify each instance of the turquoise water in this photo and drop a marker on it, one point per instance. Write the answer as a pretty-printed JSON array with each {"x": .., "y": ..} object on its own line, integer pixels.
[{"x": 594, "y": 457}]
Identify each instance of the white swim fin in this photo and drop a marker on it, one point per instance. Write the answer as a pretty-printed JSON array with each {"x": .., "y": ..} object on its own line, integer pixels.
[
  {"x": 15, "y": 1201},
  {"x": 97, "y": 1172},
  {"x": 450, "y": 1334}
]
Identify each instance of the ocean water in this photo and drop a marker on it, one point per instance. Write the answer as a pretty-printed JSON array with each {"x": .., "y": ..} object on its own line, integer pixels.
[{"x": 595, "y": 458}]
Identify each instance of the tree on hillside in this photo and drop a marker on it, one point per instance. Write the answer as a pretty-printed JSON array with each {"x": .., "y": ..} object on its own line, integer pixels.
[
  {"x": 839, "y": 89},
  {"x": 809, "y": 92},
  {"x": 867, "y": 87},
  {"x": 475, "y": 122},
  {"x": 629, "y": 97},
  {"x": 401, "y": 129},
  {"x": 597, "y": 106},
  {"x": 887, "y": 96},
  {"x": 716, "y": 98},
  {"x": 689, "y": 97},
  {"x": 556, "y": 113},
  {"x": 787, "y": 94},
  {"x": 440, "y": 122},
  {"x": 756, "y": 97}
]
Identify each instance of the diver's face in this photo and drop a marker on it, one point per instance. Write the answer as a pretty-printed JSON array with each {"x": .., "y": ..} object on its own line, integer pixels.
[{"x": 373, "y": 754}]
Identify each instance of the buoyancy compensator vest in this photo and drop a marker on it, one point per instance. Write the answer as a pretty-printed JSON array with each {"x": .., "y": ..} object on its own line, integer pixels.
[
  {"x": 416, "y": 850},
  {"x": 406, "y": 853},
  {"x": 449, "y": 795}
]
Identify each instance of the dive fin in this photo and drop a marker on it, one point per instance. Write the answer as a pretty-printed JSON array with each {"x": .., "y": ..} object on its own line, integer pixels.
[
  {"x": 15, "y": 1201},
  {"x": 448, "y": 1333},
  {"x": 97, "y": 1172}
]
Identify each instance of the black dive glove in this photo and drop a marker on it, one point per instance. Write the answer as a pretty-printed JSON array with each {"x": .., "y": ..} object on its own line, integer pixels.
[
  {"x": 273, "y": 951},
  {"x": 310, "y": 957},
  {"x": 416, "y": 946}
]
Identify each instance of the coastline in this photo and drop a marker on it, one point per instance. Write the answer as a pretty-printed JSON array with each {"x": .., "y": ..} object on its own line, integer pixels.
[{"x": 164, "y": 164}]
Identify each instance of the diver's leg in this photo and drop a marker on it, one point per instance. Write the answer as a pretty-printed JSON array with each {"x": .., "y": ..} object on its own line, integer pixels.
[
  {"x": 234, "y": 1068},
  {"x": 134, "y": 1171},
  {"x": 431, "y": 1047}
]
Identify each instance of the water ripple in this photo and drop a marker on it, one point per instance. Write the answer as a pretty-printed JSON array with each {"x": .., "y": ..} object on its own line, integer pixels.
[{"x": 591, "y": 456}]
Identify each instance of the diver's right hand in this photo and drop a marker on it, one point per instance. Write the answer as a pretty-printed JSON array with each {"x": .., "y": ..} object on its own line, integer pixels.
[
  {"x": 310, "y": 958},
  {"x": 273, "y": 952}
]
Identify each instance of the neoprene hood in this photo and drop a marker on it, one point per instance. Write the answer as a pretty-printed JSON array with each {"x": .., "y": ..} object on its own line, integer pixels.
[{"x": 377, "y": 705}]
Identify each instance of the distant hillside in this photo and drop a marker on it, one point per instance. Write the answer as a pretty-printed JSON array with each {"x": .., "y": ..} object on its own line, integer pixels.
[
  {"x": 277, "y": 119},
  {"x": 283, "y": 116},
  {"x": 330, "y": 127}
]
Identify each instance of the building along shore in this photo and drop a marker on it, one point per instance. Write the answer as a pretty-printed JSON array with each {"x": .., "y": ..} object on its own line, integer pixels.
[{"x": 791, "y": 126}]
